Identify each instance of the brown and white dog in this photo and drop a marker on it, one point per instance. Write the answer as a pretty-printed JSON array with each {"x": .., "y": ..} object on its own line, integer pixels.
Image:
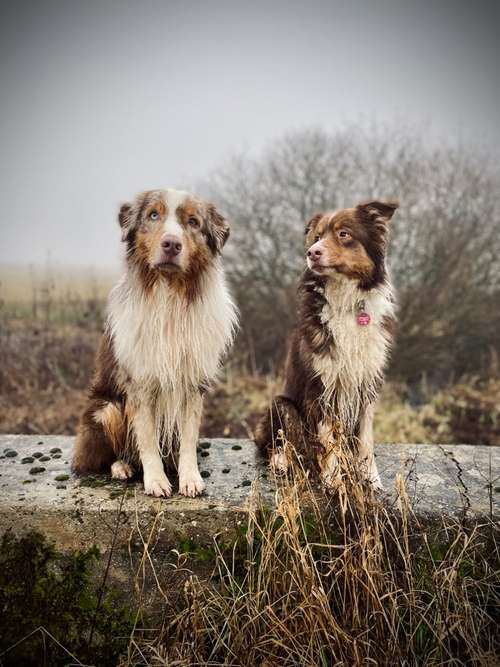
[
  {"x": 340, "y": 345},
  {"x": 170, "y": 320}
]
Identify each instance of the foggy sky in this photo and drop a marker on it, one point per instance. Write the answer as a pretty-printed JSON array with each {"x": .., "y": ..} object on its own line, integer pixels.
[{"x": 103, "y": 99}]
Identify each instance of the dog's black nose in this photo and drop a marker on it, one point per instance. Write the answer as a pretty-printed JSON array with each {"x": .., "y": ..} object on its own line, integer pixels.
[
  {"x": 314, "y": 253},
  {"x": 171, "y": 245}
]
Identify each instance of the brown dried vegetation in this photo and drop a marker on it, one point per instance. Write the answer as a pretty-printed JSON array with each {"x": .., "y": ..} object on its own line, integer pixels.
[{"x": 333, "y": 580}]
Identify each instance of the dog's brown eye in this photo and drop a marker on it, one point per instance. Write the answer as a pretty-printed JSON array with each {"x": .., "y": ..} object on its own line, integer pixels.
[
  {"x": 317, "y": 237},
  {"x": 344, "y": 235},
  {"x": 194, "y": 222},
  {"x": 154, "y": 215}
]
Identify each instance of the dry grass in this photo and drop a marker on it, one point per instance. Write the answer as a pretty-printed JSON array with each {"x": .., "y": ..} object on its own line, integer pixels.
[
  {"x": 50, "y": 324},
  {"x": 46, "y": 365},
  {"x": 467, "y": 412},
  {"x": 44, "y": 372},
  {"x": 342, "y": 580}
]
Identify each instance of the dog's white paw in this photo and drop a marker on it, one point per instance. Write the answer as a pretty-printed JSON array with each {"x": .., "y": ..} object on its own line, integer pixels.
[
  {"x": 375, "y": 481},
  {"x": 331, "y": 479},
  {"x": 157, "y": 485},
  {"x": 372, "y": 475},
  {"x": 121, "y": 470},
  {"x": 331, "y": 476},
  {"x": 191, "y": 484},
  {"x": 279, "y": 462}
]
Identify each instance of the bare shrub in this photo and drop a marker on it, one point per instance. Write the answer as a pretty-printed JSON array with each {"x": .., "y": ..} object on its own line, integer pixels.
[{"x": 444, "y": 256}]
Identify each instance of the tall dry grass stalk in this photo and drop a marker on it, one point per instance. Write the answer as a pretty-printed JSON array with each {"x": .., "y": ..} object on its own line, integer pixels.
[{"x": 342, "y": 579}]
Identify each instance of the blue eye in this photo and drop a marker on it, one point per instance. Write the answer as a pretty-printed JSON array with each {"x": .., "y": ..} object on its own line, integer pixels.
[{"x": 154, "y": 215}]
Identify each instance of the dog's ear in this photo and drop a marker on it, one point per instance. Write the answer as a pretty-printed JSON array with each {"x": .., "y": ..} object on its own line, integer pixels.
[
  {"x": 378, "y": 211},
  {"x": 125, "y": 219},
  {"x": 311, "y": 224},
  {"x": 217, "y": 229}
]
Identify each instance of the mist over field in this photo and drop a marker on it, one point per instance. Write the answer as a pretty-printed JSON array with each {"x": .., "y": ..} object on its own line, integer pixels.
[{"x": 103, "y": 99}]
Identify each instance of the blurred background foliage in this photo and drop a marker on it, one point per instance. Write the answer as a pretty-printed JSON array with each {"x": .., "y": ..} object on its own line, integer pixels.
[{"x": 442, "y": 383}]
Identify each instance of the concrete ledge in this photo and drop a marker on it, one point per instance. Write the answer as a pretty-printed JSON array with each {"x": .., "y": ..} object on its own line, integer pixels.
[{"x": 458, "y": 480}]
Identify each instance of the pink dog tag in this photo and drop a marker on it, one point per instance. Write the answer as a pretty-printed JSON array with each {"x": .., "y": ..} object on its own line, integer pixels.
[{"x": 363, "y": 319}]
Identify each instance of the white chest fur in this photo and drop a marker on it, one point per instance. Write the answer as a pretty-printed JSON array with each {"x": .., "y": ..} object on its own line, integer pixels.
[
  {"x": 354, "y": 365},
  {"x": 161, "y": 339}
]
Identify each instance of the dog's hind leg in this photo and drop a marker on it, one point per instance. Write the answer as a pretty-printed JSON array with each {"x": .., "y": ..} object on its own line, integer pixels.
[
  {"x": 100, "y": 437},
  {"x": 280, "y": 426},
  {"x": 365, "y": 443}
]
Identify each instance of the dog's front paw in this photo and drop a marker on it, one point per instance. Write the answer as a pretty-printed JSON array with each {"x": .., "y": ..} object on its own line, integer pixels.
[
  {"x": 157, "y": 485},
  {"x": 121, "y": 470},
  {"x": 278, "y": 462},
  {"x": 191, "y": 484},
  {"x": 331, "y": 480},
  {"x": 375, "y": 481},
  {"x": 373, "y": 476},
  {"x": 331, "y": 476}
]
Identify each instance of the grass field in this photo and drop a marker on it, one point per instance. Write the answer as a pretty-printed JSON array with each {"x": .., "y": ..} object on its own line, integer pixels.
[
  {"x": 50, "y": 323},
  {"x": 20, "y": 285}
]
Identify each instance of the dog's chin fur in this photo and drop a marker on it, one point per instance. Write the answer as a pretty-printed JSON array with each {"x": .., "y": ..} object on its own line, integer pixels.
[
  {"x": 166, "y": 333},
  {"x": 167, "y": 267},
  {"x": 334, "y": 367},
  {"x": 323, "y": 271}
]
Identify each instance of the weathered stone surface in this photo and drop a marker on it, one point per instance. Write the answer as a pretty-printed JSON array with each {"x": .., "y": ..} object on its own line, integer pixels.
[{"x": 39, "y": 492}]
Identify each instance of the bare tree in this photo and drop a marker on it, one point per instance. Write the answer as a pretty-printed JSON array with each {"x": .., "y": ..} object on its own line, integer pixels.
[{"x": 445, "y": 250}]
